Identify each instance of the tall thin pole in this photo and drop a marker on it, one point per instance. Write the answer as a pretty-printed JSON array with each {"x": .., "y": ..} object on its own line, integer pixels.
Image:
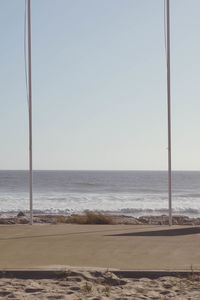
[
  {"x": 30, "y": 114},
  {"x": 169, "y": 114}
]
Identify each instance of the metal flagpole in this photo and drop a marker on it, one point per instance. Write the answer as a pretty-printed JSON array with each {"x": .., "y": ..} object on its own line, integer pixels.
[
  {"x": 169, "y": 114},
  {"x": 30, "y": 114}
]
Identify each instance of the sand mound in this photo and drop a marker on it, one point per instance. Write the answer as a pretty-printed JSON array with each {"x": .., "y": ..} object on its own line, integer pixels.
[{"x": 96, "y": 285}]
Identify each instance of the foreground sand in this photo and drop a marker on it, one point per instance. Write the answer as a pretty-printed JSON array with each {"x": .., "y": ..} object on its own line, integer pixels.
[{"x": 100, "y": 285}]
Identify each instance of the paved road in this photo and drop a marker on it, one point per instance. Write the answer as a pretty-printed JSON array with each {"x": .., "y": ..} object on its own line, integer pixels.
[{"x": 128, "y": 247}]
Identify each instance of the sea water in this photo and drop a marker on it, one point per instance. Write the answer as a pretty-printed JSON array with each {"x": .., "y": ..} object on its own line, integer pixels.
[{"x": 133, "y": 193}]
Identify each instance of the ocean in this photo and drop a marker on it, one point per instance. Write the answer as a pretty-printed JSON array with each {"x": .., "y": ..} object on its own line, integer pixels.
[{"x": 134, "y": 193}]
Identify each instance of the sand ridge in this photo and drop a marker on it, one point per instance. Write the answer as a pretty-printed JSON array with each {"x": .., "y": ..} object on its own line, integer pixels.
[{"x": 97, "y": 285}]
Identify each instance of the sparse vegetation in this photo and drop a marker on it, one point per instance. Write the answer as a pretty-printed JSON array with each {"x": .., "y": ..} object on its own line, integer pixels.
[
  {"x": 2, "y": 274},
  {"x": 90, "y": 217},
  {"x": 192, "y": 276},
  {"x": 63, "y": 274},
  {"x": 60, "y": 219},
  {"x": 107, "y": 290},
  {"x": 87, "y": 287}
]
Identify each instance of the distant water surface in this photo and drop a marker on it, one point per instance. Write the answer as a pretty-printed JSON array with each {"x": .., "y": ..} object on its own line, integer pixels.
[{"x": 133, "y": 193}]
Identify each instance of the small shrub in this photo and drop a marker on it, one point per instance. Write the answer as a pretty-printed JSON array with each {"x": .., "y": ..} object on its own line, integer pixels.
[
  {"x": 87, "y": 287},
  {"x": 90, "y": 217},
  {"x": 76, "y": 219},
  {"x": 60, "y": 219},
  {"x": 107, "y": 290},
  {"x": 98, "y": 218},
  {"x": 63, "y": 274}
]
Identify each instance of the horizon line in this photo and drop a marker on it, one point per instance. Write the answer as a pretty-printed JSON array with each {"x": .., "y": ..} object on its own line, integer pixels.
[{"x": 113, "y": 170}]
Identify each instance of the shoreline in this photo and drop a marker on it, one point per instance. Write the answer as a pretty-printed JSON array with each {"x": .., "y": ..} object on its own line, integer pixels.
[{"x": 22, "y": 218}]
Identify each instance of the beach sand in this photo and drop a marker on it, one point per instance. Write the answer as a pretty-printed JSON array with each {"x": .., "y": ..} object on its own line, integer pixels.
[{"x": 96, "y": 285}]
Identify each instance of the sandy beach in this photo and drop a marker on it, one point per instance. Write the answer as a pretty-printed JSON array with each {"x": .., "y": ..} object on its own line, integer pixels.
[{"x": 96, "y": 285}]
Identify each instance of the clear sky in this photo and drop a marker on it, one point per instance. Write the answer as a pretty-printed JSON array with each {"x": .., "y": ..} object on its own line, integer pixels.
[{"x": 99, "y": 85}]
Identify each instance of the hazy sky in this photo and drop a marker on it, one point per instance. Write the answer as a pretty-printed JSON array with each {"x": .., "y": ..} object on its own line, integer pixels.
[{"x": 99, "y": 85}]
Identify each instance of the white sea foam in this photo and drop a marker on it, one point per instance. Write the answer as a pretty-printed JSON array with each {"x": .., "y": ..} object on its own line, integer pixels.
[
  {"x": 128, "y": 192},
  {"x": 114, "y": 203}
]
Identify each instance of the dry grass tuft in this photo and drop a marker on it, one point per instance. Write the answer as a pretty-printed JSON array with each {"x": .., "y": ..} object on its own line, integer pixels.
[
  {"x": 90, "y": 217},
  {"x": 192, "y": 276},
  {"x": 60, "y": 219},
  {"x": 87, "y": 287},
  {"x": 63, "y": 274},
  {"x": 107, "y": 290}
]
